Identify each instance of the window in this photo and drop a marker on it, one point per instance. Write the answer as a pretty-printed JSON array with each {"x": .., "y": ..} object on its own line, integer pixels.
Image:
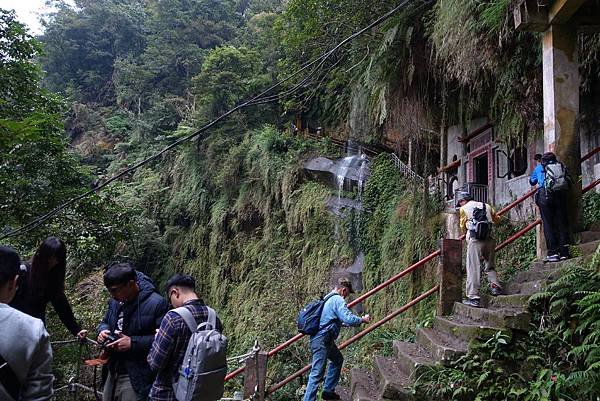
[{"x": 518, "y": 161}]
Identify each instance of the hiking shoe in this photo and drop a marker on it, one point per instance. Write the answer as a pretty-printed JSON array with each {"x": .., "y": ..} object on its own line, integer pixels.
[
  {"x": 326, "y": 395},
  {"x": 552, "y": 258},
  {"x": 495, "y": 290},
  {"x": 474, "y": 302}
]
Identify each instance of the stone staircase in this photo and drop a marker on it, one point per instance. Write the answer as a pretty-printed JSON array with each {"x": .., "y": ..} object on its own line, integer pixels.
[{"x": 449, "y": 338}]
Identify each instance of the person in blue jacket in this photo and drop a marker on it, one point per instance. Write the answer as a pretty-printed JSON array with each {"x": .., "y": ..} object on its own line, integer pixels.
[
  {"x": 553, "y": 211},
  {"x": 127, "y": 331},
  {"x": 322, "y": 345}
]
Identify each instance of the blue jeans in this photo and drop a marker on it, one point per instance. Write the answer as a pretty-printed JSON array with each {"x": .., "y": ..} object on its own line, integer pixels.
[{"x": 323, "y": 348}]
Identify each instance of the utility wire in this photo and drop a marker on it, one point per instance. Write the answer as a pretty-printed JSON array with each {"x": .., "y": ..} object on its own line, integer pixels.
[{"x": 261, "y": 98}]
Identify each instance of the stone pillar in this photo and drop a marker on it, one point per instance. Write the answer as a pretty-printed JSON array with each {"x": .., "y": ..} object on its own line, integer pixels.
[
  {"x": 255, "y": 377},
  {"x": 561, "y": 106},
  {"x": 449, "y": 275}
]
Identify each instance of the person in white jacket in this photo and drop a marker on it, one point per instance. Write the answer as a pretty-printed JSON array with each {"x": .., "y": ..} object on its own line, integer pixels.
[{"x": 25, "y": 353}]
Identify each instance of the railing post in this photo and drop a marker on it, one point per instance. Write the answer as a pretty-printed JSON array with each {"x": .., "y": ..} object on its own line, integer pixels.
[
  {"x": 255, "y": 376},
  {"x": 449, "y": 275}
]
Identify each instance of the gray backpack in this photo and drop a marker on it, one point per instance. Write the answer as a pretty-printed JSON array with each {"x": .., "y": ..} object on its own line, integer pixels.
[
  {"x": 202, "y": 373},
  {"x": 556, "y": 178}
]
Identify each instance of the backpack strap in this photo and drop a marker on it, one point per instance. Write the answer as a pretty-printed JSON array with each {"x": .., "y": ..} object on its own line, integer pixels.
[
  {"x": 9, "y": 379},
  {"x": 187, "y": 317},
  {"x": 211, "y": 320}
]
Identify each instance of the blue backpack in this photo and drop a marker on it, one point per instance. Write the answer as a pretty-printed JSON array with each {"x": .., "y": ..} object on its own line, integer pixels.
[{"x": 310, "y": 316}]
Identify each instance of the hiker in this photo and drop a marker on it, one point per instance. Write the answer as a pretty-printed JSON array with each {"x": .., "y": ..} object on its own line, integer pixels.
[
  {"x": 552, "y": 204},
  {"x": 170, "y": 344},
  {"x": 43, "y": 281},
  {"x": 322, "y": 345},
  {"x": 127, "y": 331},
  {"x": 25, "y": 353},
  {"x": 476, "y": 221}
]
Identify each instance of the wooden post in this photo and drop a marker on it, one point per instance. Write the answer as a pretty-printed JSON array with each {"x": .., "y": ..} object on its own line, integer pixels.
[
  {"x": 449, "y": 275},
  {"x": 255, "y": 377}
]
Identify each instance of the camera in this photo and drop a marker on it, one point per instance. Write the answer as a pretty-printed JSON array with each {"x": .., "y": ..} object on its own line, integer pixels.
[{"x": 112, "y": 337}]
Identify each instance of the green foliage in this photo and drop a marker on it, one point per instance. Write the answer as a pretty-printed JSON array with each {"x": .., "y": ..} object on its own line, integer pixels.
[
  {"x": 401, "y": 226},
  {"x": 228, "y": 76},
  {"x": 591, "y": 208}
]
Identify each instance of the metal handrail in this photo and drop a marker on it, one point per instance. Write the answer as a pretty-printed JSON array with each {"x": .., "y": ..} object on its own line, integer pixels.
[
  {"x": 405, "y": 169},
  {"x": 421, "y": 262}
]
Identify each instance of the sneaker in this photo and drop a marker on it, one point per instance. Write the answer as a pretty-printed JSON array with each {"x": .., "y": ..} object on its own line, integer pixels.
[
  {"x": 326, "y": 395},
  {"x": 495, "y": 290},
  {"x": 474, "y": 302},
  {"x": 552, "y": 258},
  {"x": 564, "y": 257}
]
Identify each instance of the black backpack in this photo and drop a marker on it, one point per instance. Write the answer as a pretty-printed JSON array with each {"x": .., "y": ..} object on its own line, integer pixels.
[
  {"x": 309, "y": 317},
  {"x": 480, "y": 225}
]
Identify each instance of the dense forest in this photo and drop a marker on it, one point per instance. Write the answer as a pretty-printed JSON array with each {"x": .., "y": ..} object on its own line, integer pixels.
[{"x": 111, "y": 83}]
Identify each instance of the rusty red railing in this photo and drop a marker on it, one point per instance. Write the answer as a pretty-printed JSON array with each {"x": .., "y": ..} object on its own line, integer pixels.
[{"x": 403, "y": 273}]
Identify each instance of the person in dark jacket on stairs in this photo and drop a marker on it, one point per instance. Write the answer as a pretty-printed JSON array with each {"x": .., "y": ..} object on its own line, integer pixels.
[
  {"x": 322, "y": 345},
  {"x": 127, "y": 331},
  {"x": 43, "y": 282},
  {"x": 552, "y": 205}
]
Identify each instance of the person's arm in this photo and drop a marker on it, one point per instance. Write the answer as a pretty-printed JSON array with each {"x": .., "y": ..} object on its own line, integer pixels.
[
  {"x": 495, "y": 216},
  {"x": 463, "y": 220},
  {"x": 533, "y": 178},
  {"x": 38, "y": 386},
  {"x": 163, "y": 344},
  {"x": 65, "y": 313},
  {"x": 142, "y": 344},
  {"x": 344, "y": 314}
]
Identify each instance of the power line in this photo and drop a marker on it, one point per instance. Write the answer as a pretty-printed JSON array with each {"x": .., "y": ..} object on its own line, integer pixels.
[{"x": 261, "y": 98}]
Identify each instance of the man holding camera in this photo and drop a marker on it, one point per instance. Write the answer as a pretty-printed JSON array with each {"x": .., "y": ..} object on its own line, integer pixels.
[{"x": 127, "y": 331}]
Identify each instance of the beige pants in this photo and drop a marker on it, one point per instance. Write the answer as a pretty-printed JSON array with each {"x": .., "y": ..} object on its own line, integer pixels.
[
  {"x": 122, "y": 392},
  {"x": 477, "y": 252}
]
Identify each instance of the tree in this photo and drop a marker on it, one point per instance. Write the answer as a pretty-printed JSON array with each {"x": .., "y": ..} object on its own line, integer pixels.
[
  {"x": 83, "y": 44},
  {"x": 37, "y": 172}
]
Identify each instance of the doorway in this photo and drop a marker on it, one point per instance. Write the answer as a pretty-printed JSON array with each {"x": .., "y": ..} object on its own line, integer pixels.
[{"x": 480, "y": 169}]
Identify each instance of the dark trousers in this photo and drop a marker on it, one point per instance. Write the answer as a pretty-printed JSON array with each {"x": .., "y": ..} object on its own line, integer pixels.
[{"x": 554, "y": 219}]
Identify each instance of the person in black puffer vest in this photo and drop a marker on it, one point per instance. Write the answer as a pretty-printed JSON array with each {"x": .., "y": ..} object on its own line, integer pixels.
[{"x": 127, "y": 331}]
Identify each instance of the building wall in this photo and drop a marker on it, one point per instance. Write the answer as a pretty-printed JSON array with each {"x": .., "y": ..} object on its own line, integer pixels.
[{"x": 503, "y": 190}]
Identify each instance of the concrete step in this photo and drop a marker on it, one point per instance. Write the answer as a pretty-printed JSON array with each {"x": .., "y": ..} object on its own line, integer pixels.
[
  {"x": 392, "y": 382},
  {"x": 362, "y": 386},
  {"x": 510, "y": 318},
  {"x": 442, "y": 346},
  {"x": 413, "y": 358},
  {"x": 549, "y": 274},
  {"x": 555, "y": 265},
  {"x": 506, "y": 301},
  {"x": 588, "y": 248},
  {"x": 589, "y": 236},
  {"x": 344, "y": 393},
  {"x": 467, "y": 329},
  {"x": 526, "y": 288}
]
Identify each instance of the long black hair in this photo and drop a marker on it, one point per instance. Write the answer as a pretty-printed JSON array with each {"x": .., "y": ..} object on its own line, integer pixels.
[{"x": 43, "y": 281}]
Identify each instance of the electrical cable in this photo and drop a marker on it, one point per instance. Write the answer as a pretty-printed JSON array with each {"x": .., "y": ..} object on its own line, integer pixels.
[{"x": 258, "y": 99}]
